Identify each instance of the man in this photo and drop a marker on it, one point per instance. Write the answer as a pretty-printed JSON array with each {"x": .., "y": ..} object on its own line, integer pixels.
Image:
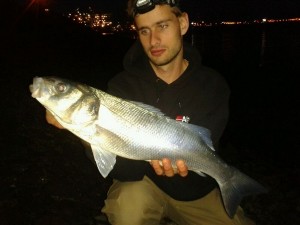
[{"x": 163, "y": 71}]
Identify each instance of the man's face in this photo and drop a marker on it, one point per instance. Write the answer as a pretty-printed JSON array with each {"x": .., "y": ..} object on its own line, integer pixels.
[{"x": 160, "y": 32}]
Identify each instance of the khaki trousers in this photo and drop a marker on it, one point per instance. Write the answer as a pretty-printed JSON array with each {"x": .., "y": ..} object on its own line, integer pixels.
[{"x": 143, "y": 203}]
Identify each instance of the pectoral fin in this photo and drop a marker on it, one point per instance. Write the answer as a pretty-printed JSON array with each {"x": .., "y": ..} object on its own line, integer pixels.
[
  {"x": 105, "y": 160},
  {"x": 104, "y": 148}
]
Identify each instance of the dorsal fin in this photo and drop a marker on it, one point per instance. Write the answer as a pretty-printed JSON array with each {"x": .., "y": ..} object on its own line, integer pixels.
[{"x": 203, "y": 132}]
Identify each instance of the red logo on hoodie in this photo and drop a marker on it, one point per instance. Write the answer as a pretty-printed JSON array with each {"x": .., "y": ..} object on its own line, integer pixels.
[{"x": 184, "y": 119}]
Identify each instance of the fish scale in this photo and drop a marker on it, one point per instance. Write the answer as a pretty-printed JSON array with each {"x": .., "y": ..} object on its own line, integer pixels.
[{"x": 115, "y": 126}]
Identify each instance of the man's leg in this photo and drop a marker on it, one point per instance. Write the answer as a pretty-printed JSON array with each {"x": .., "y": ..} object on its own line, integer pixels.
[
  {"x": 136, "y": 203},
  {"x": 205, "y": 211}
]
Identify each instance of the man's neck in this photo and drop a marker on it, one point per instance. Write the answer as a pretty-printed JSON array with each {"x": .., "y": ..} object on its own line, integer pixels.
[{"x": 171, "y": 72}]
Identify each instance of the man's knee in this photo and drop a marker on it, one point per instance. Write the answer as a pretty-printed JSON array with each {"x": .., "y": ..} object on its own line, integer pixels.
[{"x": 132, "y": 203}]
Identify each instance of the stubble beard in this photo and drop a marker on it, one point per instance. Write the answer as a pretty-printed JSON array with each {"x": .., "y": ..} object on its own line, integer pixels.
[{"x": 167, "y": 60}]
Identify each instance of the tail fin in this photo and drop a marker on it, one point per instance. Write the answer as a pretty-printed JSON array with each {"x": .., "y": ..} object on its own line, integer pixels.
[{"x": 239, "y": 186}]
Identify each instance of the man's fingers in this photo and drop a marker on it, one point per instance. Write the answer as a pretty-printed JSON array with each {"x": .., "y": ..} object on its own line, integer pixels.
[
  {"x": 167, "y": 166},
  {"x": 157, "y": 167},
  {"x": 182, "y": 168},
  {"x": 51, "y": 120},
  {"x": 164, "y": 167}
]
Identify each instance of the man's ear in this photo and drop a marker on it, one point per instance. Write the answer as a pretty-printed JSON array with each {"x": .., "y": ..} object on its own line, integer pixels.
[{"x": 184, "y": 23}]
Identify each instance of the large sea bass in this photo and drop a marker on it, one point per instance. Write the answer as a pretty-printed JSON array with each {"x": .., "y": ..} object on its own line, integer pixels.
[{"x": 114, "y": 126}]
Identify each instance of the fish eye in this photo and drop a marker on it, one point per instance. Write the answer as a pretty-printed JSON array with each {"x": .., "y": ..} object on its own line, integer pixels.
[{"x": 61, "y": 87}]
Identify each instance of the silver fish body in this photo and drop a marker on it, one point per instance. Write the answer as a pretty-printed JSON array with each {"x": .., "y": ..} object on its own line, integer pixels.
[{"x": 114, "y": 126}]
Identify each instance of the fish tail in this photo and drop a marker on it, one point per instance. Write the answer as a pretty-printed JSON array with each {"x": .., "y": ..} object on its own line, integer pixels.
[{"x": 235, "y": 189}]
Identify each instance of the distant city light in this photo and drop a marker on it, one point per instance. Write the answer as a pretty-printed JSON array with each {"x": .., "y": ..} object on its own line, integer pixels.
[{"x": 103, "y": 22}]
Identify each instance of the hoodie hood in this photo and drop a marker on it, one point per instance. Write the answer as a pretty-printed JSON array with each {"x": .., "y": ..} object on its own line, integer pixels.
[{"x": 137, "y": 63}]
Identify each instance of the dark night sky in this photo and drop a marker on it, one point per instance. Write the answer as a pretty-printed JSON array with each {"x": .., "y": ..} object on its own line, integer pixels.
[{"x": 215, "y": 9}]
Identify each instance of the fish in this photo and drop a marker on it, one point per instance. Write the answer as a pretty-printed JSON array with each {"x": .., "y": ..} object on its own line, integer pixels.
[{"x": 134, "y": 130}]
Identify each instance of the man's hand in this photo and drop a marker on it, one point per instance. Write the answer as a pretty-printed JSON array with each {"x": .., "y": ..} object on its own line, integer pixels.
[
  {"x": 51, "y": 120},
  {"x": 164, "y": 167}
]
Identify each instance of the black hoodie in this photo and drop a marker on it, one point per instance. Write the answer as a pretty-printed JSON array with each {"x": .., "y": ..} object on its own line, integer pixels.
[{"x": 200, "y": 93}]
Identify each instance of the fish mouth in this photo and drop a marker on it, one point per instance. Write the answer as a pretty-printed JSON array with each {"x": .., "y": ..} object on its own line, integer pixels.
[{"x": 35, "y": 87}]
